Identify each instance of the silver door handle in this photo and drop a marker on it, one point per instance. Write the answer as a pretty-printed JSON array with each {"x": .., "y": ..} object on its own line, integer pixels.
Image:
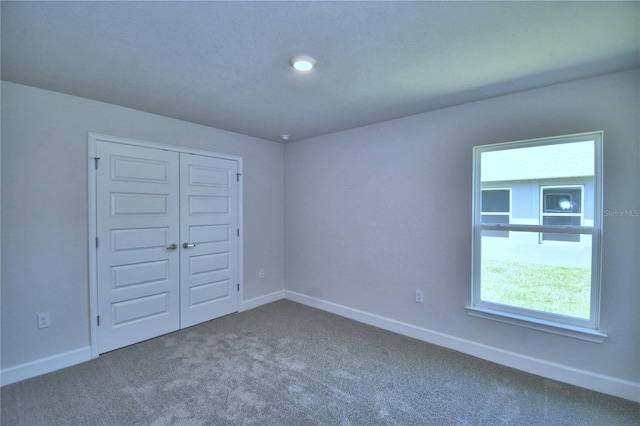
[
  {"x": 187, "y": 245},
  {"x": 172, "y": 246}
]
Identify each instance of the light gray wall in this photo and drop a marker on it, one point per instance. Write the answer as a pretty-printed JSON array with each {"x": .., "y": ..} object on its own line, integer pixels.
[
  {"x": 44, "y": 210},
  {"x": 373, "y": 213}
]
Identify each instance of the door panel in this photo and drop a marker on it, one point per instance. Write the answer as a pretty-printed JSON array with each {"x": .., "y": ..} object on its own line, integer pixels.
[
  {"x": 137, "y": 198},
  {"x": 209, "y": 220},
  {"x": 133, "y": 310}
]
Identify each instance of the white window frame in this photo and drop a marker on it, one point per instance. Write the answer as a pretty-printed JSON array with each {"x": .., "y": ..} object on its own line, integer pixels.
[{"x": 586, "y": 329}]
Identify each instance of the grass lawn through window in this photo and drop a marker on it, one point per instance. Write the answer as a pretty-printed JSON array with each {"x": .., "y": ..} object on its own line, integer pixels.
[{"x": 556, "y": 289}]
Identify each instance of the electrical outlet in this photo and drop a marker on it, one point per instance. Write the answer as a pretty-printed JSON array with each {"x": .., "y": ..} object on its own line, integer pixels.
[
  {"x": 419, "y": 296},
  {"x": 44, "y": 320},
  {"x": 261, "y": 273}
]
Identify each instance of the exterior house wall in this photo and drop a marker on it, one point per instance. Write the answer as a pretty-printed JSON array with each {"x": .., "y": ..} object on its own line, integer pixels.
[{"x": 524, "y": 211}]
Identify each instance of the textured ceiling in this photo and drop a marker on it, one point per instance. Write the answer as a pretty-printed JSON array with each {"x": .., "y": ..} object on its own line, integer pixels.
[{"x": 225, "y": 64}]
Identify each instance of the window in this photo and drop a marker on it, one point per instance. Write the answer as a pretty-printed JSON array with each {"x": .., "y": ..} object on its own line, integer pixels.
[
  {"x": 561, "y": 205},
  {"x": 496, "y": 208},
  {"x": 543, "y": 198}
]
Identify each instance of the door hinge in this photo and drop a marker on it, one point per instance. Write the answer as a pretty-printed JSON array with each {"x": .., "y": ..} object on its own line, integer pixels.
[
  {"x": 96, "y": 242},
  {"x": 238, "y": 286},
  {"x": 238, "y": 232},
  {"x": 238, "y": 177},
  {"x": 95, "y": 159},
  {"x": 98, "y": 318}
]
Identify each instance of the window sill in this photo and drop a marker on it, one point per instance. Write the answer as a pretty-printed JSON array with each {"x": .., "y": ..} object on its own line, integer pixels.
[{"x": 538, "y": 324}]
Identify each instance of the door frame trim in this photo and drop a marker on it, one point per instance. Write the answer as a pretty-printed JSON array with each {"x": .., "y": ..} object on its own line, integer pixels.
[{"x": 92, "y": 140}]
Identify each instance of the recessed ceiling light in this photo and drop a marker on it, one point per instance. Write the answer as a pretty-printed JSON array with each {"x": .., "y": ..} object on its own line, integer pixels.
[
  {"x": 284, "y": 137},
  {"x": 303, "y": 63}
]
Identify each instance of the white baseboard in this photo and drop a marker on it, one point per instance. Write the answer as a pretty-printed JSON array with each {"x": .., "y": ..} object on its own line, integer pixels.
[
  {"x": 586, "y": 379},
  {"x": 598, "y": 382},
  {"x": 262, "y": 300},
  {"x": 67, "y": 359},
  {"x": 44, "y": 365}
]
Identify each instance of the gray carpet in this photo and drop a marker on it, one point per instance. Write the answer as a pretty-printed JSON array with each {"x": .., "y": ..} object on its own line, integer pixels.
[{"x": 288, "y": 364}]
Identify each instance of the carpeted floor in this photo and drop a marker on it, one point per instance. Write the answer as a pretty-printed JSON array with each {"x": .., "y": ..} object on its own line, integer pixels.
[{"x": 288, "y": 364}]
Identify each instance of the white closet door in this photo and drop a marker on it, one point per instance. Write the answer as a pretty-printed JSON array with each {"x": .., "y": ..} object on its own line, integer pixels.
[
  {"x": 137, "y": 196},
  {"x": 209, "y": 240}
]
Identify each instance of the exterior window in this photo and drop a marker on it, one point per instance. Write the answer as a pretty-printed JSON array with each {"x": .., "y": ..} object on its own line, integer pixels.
[
  {"x": 561, "y": 206},
  {"x": 496, "y": 208},
  {"x": 543, "y": 199}
]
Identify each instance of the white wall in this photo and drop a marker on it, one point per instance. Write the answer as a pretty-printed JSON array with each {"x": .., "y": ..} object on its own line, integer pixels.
[
  {"x": 369, "y": 215},
  {"x": 374, "y": 213},
  {"x": 44, "y": 211}
]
